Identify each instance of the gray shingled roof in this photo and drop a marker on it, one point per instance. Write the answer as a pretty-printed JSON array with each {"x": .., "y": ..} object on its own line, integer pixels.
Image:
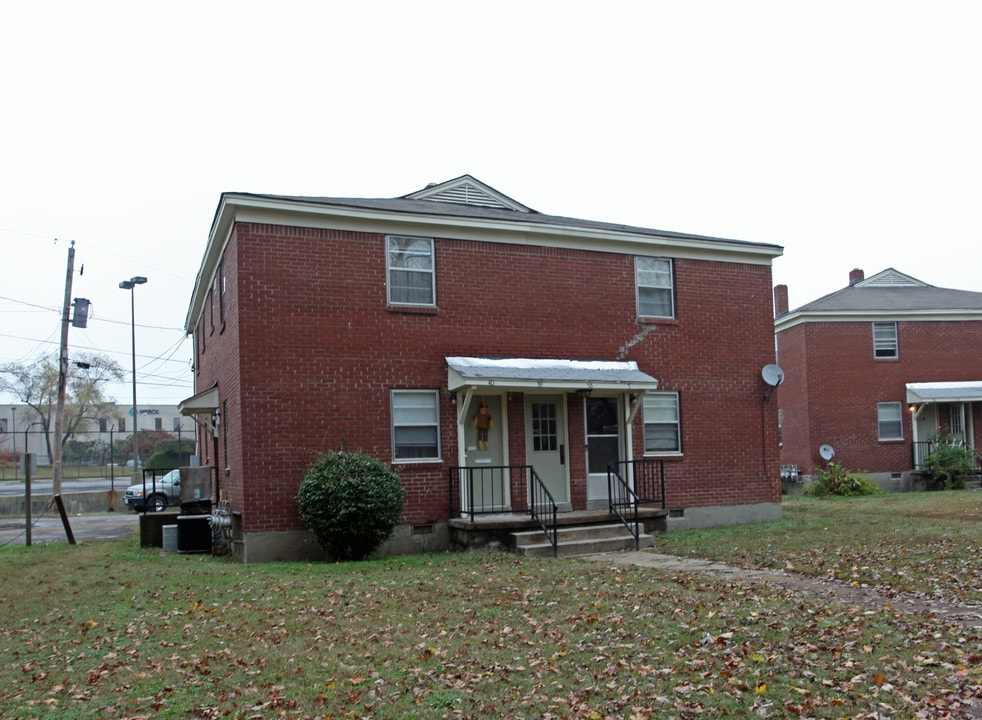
[
  {"x": 895, "y": 299},
  {"x": 890, "y": 291},
  {"x": 445, "y": 209}
]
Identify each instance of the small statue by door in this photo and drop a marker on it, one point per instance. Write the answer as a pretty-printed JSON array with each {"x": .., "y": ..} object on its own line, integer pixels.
[{"x": 483, "y": 423}]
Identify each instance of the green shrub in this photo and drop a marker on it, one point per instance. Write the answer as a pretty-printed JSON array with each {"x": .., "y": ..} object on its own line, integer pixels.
[
  {"x": 352, "y": 502},
  {"x": 950, "y": 463},
  {"x": 836, "y": 480}
]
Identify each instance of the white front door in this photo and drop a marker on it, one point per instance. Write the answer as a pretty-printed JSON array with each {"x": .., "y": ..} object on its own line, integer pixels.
[{"x": 546, "y": 444}]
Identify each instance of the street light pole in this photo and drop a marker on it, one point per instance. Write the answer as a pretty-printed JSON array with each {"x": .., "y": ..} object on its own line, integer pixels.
[{"x": 129, "y": 285}]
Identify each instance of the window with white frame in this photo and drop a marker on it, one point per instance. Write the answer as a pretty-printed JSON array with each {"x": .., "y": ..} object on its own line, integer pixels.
[
  {"x": 415, "y": 425},
  {"x": 662, "y": 432},
  {"x": 410, "y": 266},
  {"x": 653, "y": 279},
  {"x": 889, "y": 420},
  {"x": 885, "y": 340}
]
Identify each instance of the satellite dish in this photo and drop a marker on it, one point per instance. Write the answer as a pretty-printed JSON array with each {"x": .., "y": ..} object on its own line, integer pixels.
[
  {"x": 827, "y": 452},
  {"x": 773, "y": 375}
]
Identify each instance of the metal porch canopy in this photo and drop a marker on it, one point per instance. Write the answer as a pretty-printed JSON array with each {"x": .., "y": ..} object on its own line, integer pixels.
[
  {"x": 203, "y": 403},
  {"x": 544, "y": 374},
  {"x": 945, "y": 392}
]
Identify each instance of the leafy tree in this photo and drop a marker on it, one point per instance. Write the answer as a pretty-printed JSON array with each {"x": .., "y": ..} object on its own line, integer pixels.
[
  {"x": 169, "y": 454},
  {"x": 352, "y": 502},
  {"x": 36, "y": 385}
]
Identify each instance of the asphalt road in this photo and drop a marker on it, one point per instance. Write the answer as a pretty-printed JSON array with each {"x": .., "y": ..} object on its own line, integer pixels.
[
  {"x": 48, "y": 528},
  {"x": 43, "y": 487}
]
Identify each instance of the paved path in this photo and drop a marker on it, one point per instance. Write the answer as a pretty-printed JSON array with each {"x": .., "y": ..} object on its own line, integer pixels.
[
  {"x": 48, "y": 528},
  {"x": 870, "y": 597}
]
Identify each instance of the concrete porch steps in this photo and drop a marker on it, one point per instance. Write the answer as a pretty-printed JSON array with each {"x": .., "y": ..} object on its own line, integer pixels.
[{"x": 578, "y": 540}]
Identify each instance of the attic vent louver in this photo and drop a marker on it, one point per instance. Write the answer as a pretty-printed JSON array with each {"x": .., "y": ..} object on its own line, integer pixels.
[
  {"x": 467, "y": 194},
  {"x": 891, "y": 278},
  {"x": 466, "y": 190}
]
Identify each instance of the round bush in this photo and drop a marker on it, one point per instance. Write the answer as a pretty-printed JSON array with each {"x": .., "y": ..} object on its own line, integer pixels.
[{"x": 351, "y": 502}]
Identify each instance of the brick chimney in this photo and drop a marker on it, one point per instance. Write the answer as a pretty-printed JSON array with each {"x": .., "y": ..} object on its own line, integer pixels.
[
  {"x": 780, "y": 300},
  {"x": 855, "y": 276}
]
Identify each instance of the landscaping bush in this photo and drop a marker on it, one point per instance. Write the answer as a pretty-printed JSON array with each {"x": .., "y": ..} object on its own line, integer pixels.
[
  {"x": 836, "y": 480},
  {"x": 950, "y": 463},
  {"x": 352, "y": 502}
]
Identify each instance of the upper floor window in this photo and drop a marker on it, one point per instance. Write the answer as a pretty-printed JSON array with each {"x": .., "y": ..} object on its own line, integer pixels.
[
  {"x": 885, "y": 340},
  {"x": 221, "y": 291},
  {"x": 662, "y": 431},
  {"x": 653, "y": 279},
  {"x": 889, "y": 421},
  {"x": 410, "y": 266},
  {"x": 415, "y": 425}
]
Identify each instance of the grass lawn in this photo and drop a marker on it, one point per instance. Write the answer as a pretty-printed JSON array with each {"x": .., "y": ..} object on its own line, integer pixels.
[{"x": 109, "y": 630}]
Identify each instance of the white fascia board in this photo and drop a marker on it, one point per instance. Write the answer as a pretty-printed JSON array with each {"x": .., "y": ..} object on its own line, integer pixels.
[
  {"x": 786, "y": 322},
  {"x": 298, "y": 213}
]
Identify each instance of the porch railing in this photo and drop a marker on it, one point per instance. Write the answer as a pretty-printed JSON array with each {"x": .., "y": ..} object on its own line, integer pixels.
[
  {"x": 648, "y": 479},
  {"x": 543, "y": 508},
  {"x": 623, "y": 502},
  {"x": 488, "y": 489}
]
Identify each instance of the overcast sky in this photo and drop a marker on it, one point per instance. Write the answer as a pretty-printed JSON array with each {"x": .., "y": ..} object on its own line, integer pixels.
[{"x": 846, "y": 132}]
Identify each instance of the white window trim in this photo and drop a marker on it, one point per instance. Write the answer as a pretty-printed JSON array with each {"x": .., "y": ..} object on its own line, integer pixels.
[
  {"x": 388, "y": 271},
  {"x": 678, "y": 426},
  {"x": 670, "y": 288},
  {"x": 436, "y": 411},
  {"x": 880, "y": 420},
  {"x": 891, "y": 344}
]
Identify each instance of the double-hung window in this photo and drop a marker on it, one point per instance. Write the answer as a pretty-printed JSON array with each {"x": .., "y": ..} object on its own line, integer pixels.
[
  {"x": 653, "y": 279},
  {"x": 662, "y": 432},
  {"x": 411, "y": 276},
  {"x": 885, "y": 340},
  {"x": 889, "y": 421},
  {"x": 415, "y": 425}
]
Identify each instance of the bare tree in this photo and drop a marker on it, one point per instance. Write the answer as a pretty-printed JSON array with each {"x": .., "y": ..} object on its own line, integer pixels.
[{"x": 36, "y": 385}]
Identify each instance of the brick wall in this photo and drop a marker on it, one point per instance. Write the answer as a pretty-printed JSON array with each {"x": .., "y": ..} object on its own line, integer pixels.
[
  {"x": 311, "y": 351},
  {"x": 834, "y": 383}
]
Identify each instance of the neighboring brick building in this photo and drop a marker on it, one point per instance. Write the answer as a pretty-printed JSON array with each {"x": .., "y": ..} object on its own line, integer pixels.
[
  {"x": 873, "y": 370},
  {"x": 384, "y": 325}
]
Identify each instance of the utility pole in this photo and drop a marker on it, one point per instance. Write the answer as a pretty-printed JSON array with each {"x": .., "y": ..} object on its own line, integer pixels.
[{"x": 62, "y": 374}]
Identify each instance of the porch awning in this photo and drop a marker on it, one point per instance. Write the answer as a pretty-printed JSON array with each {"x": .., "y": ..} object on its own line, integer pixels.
[
  {"x": 204, "y": 402},
  {"x": 945, "y": 392},
  {"x": 535, "y": 374}
]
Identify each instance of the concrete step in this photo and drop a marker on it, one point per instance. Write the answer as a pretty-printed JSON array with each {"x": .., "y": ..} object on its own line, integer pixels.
[
  {"x": 579, "y": 540},
  {"x": 572, "y": 532}
]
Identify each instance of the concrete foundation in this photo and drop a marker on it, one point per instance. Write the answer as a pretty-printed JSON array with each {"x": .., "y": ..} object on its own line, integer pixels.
[{"x": 704, "y": 517}]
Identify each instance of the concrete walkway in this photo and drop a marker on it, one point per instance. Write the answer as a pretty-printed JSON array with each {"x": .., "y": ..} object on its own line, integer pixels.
[{"x": 833, "y": 590}]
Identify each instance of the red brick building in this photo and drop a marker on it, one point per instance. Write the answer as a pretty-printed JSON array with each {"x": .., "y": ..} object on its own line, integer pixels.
[
  {"x": 874, "y": 370},
  {"x": 385, "y": 325}
]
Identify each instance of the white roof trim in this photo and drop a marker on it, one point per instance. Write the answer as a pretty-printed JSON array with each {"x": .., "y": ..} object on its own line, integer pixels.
[
  {"x": 546, "y": 374},
  {"x": 945, "y": 392}
]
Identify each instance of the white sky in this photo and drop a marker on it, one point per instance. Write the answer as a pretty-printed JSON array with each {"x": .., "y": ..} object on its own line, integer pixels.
[{"x": 847, "y": 132}]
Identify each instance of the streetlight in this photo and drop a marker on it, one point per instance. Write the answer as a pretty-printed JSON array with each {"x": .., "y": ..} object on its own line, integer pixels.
[{"x": 129, "y": 285}]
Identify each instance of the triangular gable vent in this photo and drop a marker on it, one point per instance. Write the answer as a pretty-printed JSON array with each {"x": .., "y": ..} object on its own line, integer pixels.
[
  {"x": 466, "y": 190},
  {"x": 891, "y": 278}
]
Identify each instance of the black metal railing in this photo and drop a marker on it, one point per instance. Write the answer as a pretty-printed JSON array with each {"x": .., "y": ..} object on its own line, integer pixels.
[
  {"x": 486, "y": 489},
  {"x": 632, "y": 483},
  {"x": 543, "y": 509},
  {"x": 647, "y": 478},
  {"x": 623, "y": 502}
]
